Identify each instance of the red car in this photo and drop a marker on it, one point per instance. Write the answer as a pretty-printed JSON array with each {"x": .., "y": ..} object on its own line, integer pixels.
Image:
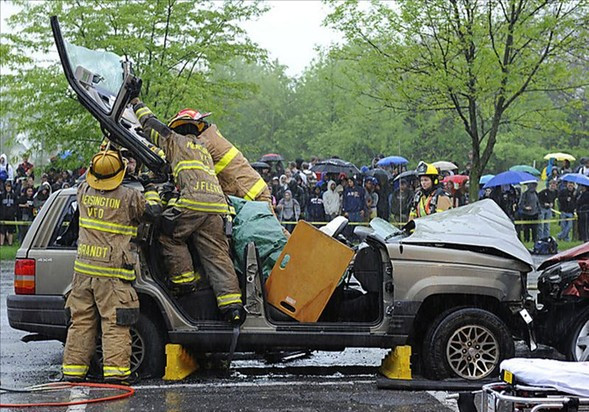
[{"x": 563, "y": 317}]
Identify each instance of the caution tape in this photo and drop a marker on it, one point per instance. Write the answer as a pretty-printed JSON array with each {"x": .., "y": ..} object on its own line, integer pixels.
[
  {"x": 15, "y": 223},
  {"x": 515, "y": 222}
]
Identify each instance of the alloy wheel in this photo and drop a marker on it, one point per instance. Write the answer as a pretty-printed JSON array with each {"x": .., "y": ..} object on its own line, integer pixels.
[{"x": 472, "y": 352}]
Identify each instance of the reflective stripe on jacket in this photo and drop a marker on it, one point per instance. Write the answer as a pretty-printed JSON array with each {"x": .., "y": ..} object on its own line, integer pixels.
[
  {"x": 192, "y": 165},
  {"x": 108, "y": 221},
  {"x": 236, "y": 176}
]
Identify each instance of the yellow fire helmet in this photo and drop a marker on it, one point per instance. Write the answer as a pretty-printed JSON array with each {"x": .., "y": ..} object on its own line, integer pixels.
[
  {"x": 427, "y": 169},
  {"x": 107, "y": 170}
]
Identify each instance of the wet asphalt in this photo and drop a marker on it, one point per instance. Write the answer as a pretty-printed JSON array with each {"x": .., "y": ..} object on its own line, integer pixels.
[{"x": 324, "y": 381}]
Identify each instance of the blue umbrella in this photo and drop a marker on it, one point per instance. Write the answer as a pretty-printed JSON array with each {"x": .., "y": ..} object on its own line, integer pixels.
[
  {"x": 510, "y": 178},
  {"x": 392, "y": 161},
  {"x": 576, "y": 178},
  {"x": 485, "y": 178}
]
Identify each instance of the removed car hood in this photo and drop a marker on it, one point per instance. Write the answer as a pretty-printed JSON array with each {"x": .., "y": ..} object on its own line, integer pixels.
[{"x": 480, "y": 225}]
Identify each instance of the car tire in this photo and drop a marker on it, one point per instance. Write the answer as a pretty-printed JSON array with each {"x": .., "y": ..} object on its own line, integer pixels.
[
  {"x": 578, "y": 342},
  {"x": 466, "y": 343},
  {"x": 147, "y": 350}
]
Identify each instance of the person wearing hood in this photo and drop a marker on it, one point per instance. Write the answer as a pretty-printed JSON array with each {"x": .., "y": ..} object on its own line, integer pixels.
[
  {"x": 6, "y": 169},
  {"x": 430, "y": 198},
  {"x": 41, "y": 196},
  {"x": 400, "y": 202},
  {"x": 315, "y": 208},
  {"x": 331, "y": 201},
  {"x": 288, "y": 210},
  {"x": 529, "y": 207},
  {"x": 8, "y": 212}
]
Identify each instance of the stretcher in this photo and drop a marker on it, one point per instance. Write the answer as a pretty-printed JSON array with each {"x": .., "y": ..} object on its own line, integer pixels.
[{"x": 538, "y": 385}]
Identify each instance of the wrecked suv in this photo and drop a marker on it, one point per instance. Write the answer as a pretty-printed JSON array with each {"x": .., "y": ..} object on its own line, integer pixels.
[{"x": 452, "y": 285}]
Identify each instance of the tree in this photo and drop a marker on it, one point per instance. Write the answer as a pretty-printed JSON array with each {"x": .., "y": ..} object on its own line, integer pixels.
[
  {"x": 173, "y": 46},
  {"x": 476, "y": 59}
]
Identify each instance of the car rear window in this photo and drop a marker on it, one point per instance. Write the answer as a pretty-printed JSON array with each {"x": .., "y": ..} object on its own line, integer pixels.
[{"x": 65, "y": 218}]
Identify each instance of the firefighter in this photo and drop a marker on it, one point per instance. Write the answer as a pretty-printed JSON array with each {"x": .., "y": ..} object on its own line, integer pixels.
[
  {"x": 430, "y": 198},
  {"x": 104, "y": 269},
  {"x": 197, "y": 215},
  {"x": 236, "y": 176}
]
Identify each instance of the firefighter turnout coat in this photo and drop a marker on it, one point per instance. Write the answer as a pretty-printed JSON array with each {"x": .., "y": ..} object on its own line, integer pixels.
[
  {"x": 197, "y": 213},
  {"x": 101, "y": 288}
]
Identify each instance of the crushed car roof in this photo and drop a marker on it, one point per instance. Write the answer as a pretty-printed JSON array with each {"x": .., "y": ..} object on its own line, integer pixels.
[{"x": 481, "y": 224}]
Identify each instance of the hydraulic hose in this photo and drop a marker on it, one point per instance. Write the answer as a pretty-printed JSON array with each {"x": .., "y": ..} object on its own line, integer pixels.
[{"x": 127, "y": 392}]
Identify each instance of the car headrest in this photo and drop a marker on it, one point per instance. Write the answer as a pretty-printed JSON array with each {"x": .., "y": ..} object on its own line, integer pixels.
[
  {"x": 362, "y": 232},
  {"x": 335, "y": 227}
]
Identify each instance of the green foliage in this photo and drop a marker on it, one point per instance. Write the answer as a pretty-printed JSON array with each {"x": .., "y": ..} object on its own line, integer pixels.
[
  {"x": 173, "y": 45},
  {"x": 476, "y": 60}
]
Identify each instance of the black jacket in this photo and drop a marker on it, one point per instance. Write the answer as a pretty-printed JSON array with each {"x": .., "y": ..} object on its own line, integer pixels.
[
  {"x": 567, "y": 201},
  {"x": 547, "y": 198}
]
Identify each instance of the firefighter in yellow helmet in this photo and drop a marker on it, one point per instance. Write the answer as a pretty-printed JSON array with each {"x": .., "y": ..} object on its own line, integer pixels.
[
  {"x": 102, "y": 294},
  {"x": 430, "y": 198},
  {"x": 196, "y": 216}
]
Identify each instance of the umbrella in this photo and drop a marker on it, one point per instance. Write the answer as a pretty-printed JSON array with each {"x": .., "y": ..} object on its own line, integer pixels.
[
  {"x": 510, "y": 178},
  {"x": 445, "y": 166},
  {"x": 576, "y": 178},
  {"x": 559, "y": 156},
  {"x": 271, "y": 157},
  {"x": 460, "y": 179},
  {"x": 392, "y": 161},
  {"x": 409, "y": 174},
  {"x": 335, "y": 166},
  {"x": 525, "y": 168},
  {"x": 260, "y": 165},
  {"x": 485, "y": 178},
  {"x": 380, "y": 174}
]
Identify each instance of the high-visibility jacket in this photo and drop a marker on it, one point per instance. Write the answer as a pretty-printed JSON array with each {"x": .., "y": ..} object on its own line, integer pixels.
[
  {"x": 236, "y": 176},
  {"x": 107, "y": 223},
  {"x": 191, "y": 163},
  {"x": 426, "y": 204}
]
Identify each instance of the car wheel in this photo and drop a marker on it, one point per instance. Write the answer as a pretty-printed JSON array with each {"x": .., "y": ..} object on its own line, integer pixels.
[
  {"x": 578, "y": 347},
  {"x": 466, "y": 343},
  {"x": 147, "y": 350}
]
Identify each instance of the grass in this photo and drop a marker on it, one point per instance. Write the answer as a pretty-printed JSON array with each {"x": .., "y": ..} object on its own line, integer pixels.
[
  {"x": 562, "y": 245},
  {"x": 8, "y": 252}
]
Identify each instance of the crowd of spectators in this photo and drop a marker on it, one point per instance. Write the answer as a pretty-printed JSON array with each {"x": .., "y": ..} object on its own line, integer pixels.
[
  {"x": 21, "y": 197},
  {"x": 299, "y": 193}
]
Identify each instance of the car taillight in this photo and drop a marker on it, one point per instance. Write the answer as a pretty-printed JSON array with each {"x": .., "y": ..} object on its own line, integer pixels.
[{"x": 24, "y": 277}]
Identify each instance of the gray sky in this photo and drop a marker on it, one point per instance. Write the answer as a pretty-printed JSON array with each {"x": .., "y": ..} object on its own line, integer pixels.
[{"x": 290, "y": 31}]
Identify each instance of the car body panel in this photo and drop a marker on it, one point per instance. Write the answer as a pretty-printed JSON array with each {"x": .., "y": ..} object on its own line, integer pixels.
[
  {"x": 479, "y": 225},
  {"x": 573, "y": 253}
]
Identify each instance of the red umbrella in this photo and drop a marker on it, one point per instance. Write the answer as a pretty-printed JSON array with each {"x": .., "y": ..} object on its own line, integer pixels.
[{"x": 460, "y": 179}]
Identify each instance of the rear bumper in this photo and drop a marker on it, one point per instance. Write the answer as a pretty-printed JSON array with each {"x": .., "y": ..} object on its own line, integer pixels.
[{"x": 42, "y": 314}]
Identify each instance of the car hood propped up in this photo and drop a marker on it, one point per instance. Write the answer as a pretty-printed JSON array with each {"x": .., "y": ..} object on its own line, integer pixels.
[{"x": 480, "y": 225}]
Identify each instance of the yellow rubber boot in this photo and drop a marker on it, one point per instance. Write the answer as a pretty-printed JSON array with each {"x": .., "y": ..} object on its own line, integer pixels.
[
  {"x": 179, "y": 363},
  {"x": 397, "y": 364}
]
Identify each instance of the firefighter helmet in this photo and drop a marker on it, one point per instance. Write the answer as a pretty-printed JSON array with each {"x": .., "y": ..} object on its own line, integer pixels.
[
  {"x": 427, "y": 169},
  {"x": 107, "y": 170},
  {"x": 187, "y": 116}
]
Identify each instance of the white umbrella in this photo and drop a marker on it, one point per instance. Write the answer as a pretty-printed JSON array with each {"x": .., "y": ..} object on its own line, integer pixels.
[{"x": 443, "y": 166}]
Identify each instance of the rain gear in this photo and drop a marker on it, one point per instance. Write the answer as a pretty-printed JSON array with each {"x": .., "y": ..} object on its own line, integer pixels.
[
  {"x": 331, "y": 201},
  {"x": 101, "y": 288},
  {"x": 197, "y": 214}
]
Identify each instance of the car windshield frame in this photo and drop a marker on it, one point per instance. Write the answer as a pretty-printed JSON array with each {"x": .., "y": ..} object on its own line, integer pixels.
[{"x": 116, "y": 126}]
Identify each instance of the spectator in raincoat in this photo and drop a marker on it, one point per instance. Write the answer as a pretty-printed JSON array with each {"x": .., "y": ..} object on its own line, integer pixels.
[
  {"x": 288, "y": 210},
  {"x": 315, "y": 207},
  {"x": 331, "y": 201},
  {"x": 529, "y": 207}
]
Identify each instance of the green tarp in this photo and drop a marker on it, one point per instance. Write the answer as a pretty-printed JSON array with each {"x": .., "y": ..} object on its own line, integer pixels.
[{"x": 255, "y": 222}]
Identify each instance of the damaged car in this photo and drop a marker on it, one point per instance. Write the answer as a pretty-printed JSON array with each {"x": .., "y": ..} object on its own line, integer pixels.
[
  {"x": 562, "y": 320},
  {"x": 450, "y": 285}
]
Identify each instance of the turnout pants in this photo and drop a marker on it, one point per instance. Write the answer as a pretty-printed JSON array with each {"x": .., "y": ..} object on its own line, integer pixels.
[
  {"x": 112, "y": 302},
  {"x": 206, "y": 232}
]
